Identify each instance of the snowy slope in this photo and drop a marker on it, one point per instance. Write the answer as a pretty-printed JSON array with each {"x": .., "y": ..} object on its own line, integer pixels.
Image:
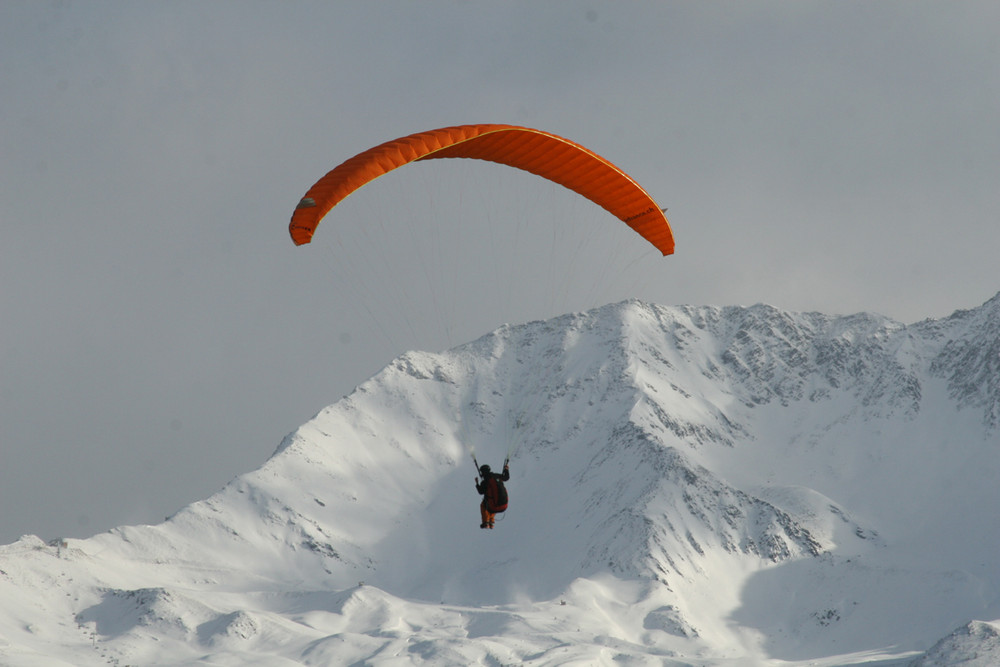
[{"x": 690, "y": 485}]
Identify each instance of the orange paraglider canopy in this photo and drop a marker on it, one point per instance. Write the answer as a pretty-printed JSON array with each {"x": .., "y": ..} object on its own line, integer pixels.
[{"x": 540, "y": 153}]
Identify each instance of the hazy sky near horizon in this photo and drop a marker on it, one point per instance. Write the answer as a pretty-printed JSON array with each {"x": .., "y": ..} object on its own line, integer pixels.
[{"x": 160, "y": 334}]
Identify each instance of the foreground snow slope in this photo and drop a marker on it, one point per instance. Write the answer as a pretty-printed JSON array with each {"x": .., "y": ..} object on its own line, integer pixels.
[{"x": 690, "y": 485}]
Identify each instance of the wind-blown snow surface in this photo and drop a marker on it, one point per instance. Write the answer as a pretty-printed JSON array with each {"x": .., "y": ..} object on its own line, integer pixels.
[{"x": 690, "y": 486}]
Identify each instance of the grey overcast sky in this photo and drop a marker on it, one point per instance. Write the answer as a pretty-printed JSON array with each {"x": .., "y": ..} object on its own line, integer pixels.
[{"x": 160, "y": 334}]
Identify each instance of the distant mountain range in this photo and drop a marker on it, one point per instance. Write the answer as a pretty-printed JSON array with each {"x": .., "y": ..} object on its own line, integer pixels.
[{"x": 689, "y": 486}]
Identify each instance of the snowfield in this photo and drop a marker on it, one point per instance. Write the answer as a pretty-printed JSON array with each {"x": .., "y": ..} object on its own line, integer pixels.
[{"x": 689, "y": 486}]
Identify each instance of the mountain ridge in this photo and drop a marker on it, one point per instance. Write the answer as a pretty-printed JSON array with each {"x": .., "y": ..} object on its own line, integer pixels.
[{"x": 673, "y": 469}]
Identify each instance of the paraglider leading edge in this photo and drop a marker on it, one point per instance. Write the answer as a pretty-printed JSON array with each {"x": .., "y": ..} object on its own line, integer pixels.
[{"x": 541, "y": 153}]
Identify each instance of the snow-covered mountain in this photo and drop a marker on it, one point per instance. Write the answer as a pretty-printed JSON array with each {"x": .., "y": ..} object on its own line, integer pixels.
[{"x": 690, "y": 486}]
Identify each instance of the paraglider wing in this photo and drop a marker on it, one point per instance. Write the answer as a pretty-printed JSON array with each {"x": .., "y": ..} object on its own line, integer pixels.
[{"x": 540, "y": 153}]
